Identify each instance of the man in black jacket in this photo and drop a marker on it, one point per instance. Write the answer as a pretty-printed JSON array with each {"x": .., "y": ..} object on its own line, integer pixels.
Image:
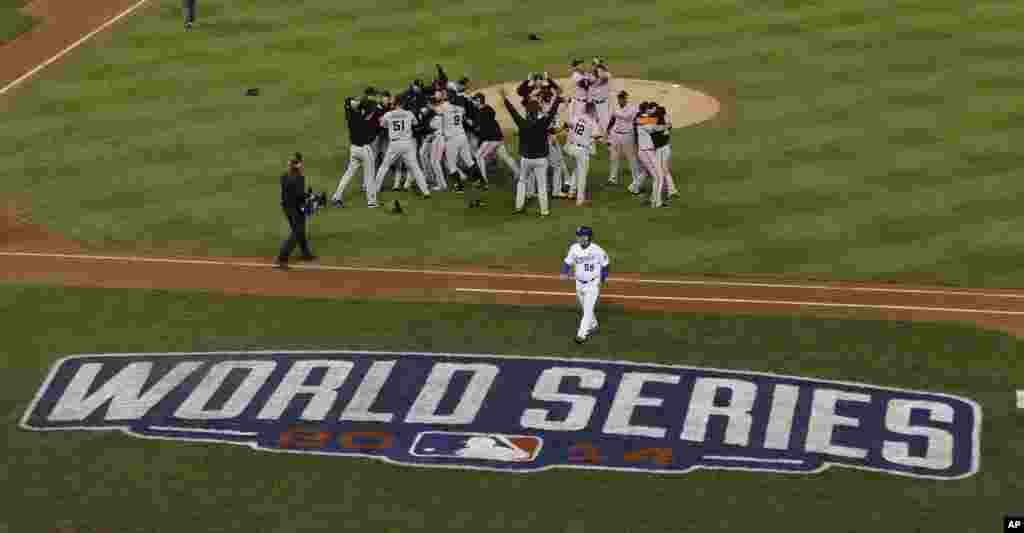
[
  {"x": 533, "y": 149},
  {"x": 293, "y": 196},
  {"x": 361, "y": 133}
]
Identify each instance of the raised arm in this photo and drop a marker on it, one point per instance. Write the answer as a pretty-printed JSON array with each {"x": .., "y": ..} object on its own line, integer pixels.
[{"x": 512, "y": 110}]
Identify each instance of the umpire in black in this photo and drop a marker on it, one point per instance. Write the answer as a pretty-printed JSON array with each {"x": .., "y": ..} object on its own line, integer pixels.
[{"x": 293, "y": 196}]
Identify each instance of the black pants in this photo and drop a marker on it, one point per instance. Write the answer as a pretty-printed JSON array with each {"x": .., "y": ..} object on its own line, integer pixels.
[
  {"x": 190, "y": 10},
  {"x": 296, "y": 235}
]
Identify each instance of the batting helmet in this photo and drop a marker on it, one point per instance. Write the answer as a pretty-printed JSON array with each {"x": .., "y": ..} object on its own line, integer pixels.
[{"x": 585, "y": 230}]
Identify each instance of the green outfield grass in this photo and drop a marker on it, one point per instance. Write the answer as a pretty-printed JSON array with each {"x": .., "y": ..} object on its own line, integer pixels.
[
  {"x": 862, "y": 140},
  {"x": 110, "y": 481},
  {"x": 12, "y": 21}
]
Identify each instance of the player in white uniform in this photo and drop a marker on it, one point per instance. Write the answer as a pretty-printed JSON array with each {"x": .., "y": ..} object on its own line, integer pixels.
[
  {"x": 581, "y": 82},
  {"x": 456, "y": 144},
  {"x": 664, "y": 152},
  {"x": 588, "y": 264},
  {"x": 399, "y": 123},
  {"x": 646, "y": 125},
  {"x": 622, "y": 139},
  {"x": 582, "y": 133},
  {"x": 599, "y": 94},
  {"x": 559, "y": 170}
]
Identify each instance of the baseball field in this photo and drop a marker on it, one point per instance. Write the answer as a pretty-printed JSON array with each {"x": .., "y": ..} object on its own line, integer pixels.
[{"x": 847, "y": 219}]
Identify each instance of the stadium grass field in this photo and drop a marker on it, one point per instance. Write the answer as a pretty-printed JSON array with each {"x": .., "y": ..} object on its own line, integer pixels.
[
  {"x": 110, "y": 481},
  {"x": 860, "y": 140},
  {"x": 12, "y": 21}
]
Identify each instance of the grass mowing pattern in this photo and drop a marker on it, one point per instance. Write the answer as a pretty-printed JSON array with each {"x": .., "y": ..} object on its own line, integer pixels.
[
  {"x": 867, "y": 140},
  {"x": 113, "y": 481}
]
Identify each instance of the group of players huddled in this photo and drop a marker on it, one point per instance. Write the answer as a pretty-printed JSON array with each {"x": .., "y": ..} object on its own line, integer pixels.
[{"x": 443, "y": 139}]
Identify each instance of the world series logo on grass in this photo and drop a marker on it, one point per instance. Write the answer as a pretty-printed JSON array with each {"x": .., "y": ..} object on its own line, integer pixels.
[{"x": 511, "y": 413}]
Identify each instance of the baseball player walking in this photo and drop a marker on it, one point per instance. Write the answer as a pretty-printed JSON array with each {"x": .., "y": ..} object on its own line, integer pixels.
[
  {"x": 361, "y": 132},
  {"x": 622, "y": 140},
  {"x": 582, "y": 133},
  {"x": 492, "y": 140},
  {"x": 533, "y": 149},
  {"x": 399, "y": 124},
  {"x": 587, "y": 263}
]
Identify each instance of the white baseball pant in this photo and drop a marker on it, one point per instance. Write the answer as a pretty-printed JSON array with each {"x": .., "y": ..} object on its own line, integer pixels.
[
  {"x": 437, "y": 149},
  {"x": 457, "y": 149},
  {"x": 664, "y": 155},
  {"x": 604, "y": 114},
  {"x": 358, "y": 156},
  {"x": 623, "y": 147},
  {"x": 559, "y": 171},
  {"x": 581, "y": 154},
  {"x": 488, "y": 150},
  {"x": 650, "y": 162},
  {"x": 533, "y": 171},
  {"x": 406, "y": 152},
  {"x": 586, "y": 295}
]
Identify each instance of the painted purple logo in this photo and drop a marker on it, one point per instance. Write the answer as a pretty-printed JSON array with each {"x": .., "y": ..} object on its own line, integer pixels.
[{"x": 510, "y": 413}]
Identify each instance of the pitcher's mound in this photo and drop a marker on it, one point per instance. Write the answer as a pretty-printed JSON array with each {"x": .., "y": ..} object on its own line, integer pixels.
[{"x": 685, "y": 106}]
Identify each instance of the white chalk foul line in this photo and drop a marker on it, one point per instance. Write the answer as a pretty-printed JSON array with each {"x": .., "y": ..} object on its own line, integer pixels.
[
  {"x": 511, "y": 275},
  {"x": 70, "y": 47},
  {"x": 755, "y": 301}
]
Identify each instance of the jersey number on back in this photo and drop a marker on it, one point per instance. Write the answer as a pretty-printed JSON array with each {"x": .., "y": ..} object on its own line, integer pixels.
[
  {"x": 397, "y": 126},
  {"x": 580, "y": 127},
  {"x": 457, "y": 119}
]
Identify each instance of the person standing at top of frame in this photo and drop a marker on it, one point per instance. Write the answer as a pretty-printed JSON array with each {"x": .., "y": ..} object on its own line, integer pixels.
[{"x": 189, "y": 7}]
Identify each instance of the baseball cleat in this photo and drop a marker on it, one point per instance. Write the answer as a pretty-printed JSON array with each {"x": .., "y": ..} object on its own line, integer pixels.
[
  {"x": 281, "y": 265},
  {"x": 612, "y": 181},
  {"x": 579, "y": 340},
  {"x": 371, "y": 206},
  {"x": 338, "y": 203},
  {"x": 519, "y": 211},
  {"x": 545, "y": 215},
  {"x": 309, "y": 258},
  {"x": 188, "y": 26},
  {"x": 673, "y": 194}
]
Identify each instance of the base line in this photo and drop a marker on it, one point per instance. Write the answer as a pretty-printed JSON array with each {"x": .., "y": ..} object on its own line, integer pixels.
[
  {"x": 71, "y": 47},
  {"x": 509, "y": 275},
  {"x": 752, "y": 301}
]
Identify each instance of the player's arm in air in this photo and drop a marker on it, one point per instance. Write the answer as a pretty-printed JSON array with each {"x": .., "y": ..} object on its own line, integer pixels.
[
  {"x": 441, "y": 76},
  {"x": 520, "y": 121}
]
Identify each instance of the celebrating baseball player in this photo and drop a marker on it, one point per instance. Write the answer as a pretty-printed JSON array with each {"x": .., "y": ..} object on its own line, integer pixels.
[
  {"x": 492, "y": 140},
  {"x": 582, "y": 133},
  {"x": 599, "y": 94},
  {"x": 533, "y": 149},
  {"x": 457, "y": 146},
  {"x": 361, "y": 132},
  {"x": 581, "y": 82},
  {"x": 663, "y": 149},
  {"x": 559, "y": 170},
  {"x": 399, "y": 123},
  {"x": 646, "y": 125},
  {"x": 622, "y": 141},
  {"x": 588, "y": 264}
]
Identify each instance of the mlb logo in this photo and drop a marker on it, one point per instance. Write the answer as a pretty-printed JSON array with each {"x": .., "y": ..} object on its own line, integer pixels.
[{"x": 485, "y": 446}]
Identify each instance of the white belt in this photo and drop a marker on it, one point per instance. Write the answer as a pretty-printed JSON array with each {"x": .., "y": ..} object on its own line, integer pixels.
[{"x": 584, "y": 282}]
